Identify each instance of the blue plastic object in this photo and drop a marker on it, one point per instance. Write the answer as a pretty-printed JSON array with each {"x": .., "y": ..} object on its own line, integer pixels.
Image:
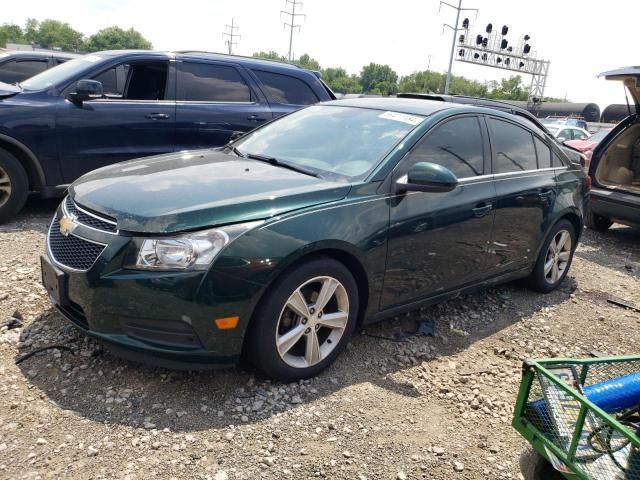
[{"x": 615, "y": 394}]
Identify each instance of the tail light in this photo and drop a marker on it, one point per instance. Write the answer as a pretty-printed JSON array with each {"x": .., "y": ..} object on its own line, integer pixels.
[{"x": 589, "y": 182}]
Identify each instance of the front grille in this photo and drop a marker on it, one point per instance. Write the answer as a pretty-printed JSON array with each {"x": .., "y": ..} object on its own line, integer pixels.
[
  {"x": 92, "y": 220},
  {"x": 71, "y": 251}
]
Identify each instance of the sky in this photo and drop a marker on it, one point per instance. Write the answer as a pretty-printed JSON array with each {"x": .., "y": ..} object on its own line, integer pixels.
[{"x": 580, "y": 39}]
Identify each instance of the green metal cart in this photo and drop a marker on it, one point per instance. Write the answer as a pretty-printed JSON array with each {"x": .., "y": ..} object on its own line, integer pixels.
[{"x": 572, "y": 436}]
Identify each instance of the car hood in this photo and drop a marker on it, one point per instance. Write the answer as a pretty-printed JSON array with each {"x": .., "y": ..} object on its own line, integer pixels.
[
  {"x": 630, "y": 76},
  {"x": 193, "y": 190},
  {"x": 582, "y": 145},
  {"x": 7, "y": 90}
]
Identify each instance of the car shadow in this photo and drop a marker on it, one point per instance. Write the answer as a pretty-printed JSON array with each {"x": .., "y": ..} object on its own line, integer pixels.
[
  {"x": 80, "y": 376},
  {"x": 617, "y": 249}
]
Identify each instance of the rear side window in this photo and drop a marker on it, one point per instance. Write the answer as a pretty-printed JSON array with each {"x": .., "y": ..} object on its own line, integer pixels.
[
  {"x": 206, "y": 82},
  {"x": 544, "y": 153},
  {"x": 285, "y": 89},
  {"x": 456, "y": 145},
  {"x": 512, "y": 147},
  {"x": 17, "y": 71}
]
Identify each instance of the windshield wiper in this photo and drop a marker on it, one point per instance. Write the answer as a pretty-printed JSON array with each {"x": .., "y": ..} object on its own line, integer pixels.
[
  {"x": 236, "y": 152},
  {"x": 279, "y": 163}
]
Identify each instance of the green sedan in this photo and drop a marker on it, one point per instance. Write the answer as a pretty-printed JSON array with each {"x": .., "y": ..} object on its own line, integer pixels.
[{"x": 277, "y": 246}]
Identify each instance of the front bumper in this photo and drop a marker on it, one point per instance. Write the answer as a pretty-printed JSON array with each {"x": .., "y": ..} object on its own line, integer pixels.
[
  {"x": 161, "y": 318},
  {"x": 617, "y": 206}
]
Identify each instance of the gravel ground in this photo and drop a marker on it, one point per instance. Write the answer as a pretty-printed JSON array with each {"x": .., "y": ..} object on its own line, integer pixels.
[{"x": 432, "y": 407}]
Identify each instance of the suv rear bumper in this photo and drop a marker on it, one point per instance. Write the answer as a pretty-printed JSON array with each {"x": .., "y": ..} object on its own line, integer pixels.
[{"x": 617, "y": 206}]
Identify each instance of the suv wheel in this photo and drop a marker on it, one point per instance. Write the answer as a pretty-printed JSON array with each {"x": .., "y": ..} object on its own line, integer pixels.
[
  {"x": 305, "y": 321},
  {"x": 14, "y": 186},
  {"x": 596, "y": 222},
  {"x": 555, "y": 257}
]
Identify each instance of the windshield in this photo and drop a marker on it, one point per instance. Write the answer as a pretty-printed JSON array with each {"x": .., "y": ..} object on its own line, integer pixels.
[
  {"x": 599, "y": 135},
  {"x": 552, "y": 130},
  {"x": 331, "y": 140},
  {"x": 59, "y": 74}
]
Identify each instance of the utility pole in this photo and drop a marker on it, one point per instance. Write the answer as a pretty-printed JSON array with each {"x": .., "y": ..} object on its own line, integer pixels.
[
  {"x": 455, "y": 29},
  {"x": 231, "y": 33},
  {"x": 292, "y": 21},
  {"x": 429, "y": 64}
]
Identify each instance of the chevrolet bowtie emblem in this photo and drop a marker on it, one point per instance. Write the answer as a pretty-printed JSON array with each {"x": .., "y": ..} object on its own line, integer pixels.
[{"x": 67, "y": 225}]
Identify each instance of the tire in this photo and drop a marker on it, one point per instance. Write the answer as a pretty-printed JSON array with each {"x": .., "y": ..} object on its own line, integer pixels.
[
  {"x": 281, "y": 338},
  {"x": 596, "y": 222},
  {"x": 14, "y": 186},
  {"x": 544, "y": 279},
  {"x": 534, "y": 466}
]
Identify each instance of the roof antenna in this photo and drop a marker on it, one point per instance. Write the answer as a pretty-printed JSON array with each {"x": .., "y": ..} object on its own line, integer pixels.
[{"x": 626, "y": 98}]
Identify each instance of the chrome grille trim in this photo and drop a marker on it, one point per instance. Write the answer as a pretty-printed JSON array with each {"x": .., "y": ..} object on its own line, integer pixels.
[{"x": 87, "y": 218}]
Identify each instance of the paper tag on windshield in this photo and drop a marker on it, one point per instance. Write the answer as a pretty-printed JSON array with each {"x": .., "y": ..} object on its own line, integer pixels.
[
  {"x": 91, "y": 58},
  {"x": 402, "y": 117}
]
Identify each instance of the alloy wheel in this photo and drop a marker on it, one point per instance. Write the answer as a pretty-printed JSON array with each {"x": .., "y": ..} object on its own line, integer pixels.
[
  {"x": 5, "y": 187},
  {"x": 312, "y": 322},
  {"x": 558, "y": 256}
]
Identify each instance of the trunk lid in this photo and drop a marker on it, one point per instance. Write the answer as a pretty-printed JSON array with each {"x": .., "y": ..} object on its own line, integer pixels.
[{"x": 630, "y": 77}]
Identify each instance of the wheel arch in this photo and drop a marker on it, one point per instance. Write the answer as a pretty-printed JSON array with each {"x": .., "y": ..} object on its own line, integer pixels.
[
  {"x": 27, "y": 159},
  {"x": 340, "y": 251}
]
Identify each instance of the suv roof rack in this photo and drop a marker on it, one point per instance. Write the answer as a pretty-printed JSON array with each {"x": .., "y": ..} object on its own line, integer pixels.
[
  {"x": 237, "y": 56},
  {"x": 479, "y": 101}
]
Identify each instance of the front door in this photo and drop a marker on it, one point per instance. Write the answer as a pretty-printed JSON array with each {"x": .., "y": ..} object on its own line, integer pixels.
[
  {"x": 438, "y": 241},
  {"x": 215, "y": 101},
  {"x": 136, "y": 118},
  {"x": 525, "y": 191}
]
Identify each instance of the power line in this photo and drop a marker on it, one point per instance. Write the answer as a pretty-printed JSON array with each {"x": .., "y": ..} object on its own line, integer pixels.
[
  {"x": 455, "y": 29},
  {"x": 231, "y": 34},
  {"x": 292, "y": 21}
]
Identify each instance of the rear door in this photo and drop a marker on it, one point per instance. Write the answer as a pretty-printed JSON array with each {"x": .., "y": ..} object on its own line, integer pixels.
[
  {"x": 438, "y": 241},
  {"x": 525, "y": 192},
  {"x": 215, "y": 101},
  {"x": 285, "y": 92},
  {"x": 136, "y": 118}
]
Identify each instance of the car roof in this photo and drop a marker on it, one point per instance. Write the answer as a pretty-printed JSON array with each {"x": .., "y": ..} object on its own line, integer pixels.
[
  {"x": 38, "y": 54},
  {"x": 253, "y": 61},
  {"x": 400, "y": 105}
]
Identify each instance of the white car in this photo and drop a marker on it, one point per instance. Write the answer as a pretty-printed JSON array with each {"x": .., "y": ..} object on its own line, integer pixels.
[{"x": 564, "y": 133}]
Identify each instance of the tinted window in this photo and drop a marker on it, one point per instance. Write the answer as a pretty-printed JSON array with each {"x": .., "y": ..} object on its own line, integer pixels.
[
  {"x": 513, "y": 148},
  {"x": 17, "y": 71},
  {"x": 286, "y": 89},
  {"x": 212, "y": 83},
  {"x": 544, "y": 153},
  {"x": 135, "y": 81},
  {"x": 456, "y": 145}
]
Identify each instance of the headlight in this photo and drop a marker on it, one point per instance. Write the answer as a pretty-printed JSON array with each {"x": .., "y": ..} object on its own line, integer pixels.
[{"x": 189, "y": 251}]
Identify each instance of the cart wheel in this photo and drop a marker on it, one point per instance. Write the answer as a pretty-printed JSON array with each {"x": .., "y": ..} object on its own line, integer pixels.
[{"x": 534, "y": 466}]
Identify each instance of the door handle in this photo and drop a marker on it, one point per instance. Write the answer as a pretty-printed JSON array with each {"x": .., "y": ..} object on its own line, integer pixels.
[
  {"x": 482, "y": 211},
  {"x": 256, "y": 118},
  {"x": 157, "y": 116}
]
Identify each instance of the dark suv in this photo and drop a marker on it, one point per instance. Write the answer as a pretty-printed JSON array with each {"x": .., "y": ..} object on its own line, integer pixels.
[
  {"x": 17, "y": 66},
  {"x": 107, "y": 107}
]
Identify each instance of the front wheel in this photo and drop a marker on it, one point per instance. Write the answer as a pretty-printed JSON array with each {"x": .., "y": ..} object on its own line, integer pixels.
[
  {"x": 14, "y": 186},
  {"x": 305, "y": 321},
  {"x": 555, "y": 258}
]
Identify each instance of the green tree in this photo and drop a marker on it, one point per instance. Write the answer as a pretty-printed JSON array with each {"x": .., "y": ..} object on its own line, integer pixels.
[
  {"x": 11, "y": 33},
  {"x": 31, "y": 30},
  {"x": 422, "y": 82},
  {"x": 378, "y": 79},
  {"x": 115, "y": 38},
  {"x": 510, "y": 88},
  {"x": 53, "y": 33},
  {"x": 464, "y": 86},
  {"x": 340, "y": 82},
  {"x": 305, "y": 61},
  {"x": 270, "y": 55}
]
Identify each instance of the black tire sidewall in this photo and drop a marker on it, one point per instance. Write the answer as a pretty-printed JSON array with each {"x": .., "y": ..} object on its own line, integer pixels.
[
  {"x": 262, "y": 351},
  {"x": 596, "y": 222},
  {"x": 538, "y": 280},
  {"x": 19, "y": 185}
]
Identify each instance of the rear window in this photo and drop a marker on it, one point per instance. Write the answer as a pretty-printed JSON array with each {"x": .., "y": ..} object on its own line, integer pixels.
[
  {"x": 513, "y": 148},
  {"x": 285, "y": 89},
  {"x": 207, "y": 82}
]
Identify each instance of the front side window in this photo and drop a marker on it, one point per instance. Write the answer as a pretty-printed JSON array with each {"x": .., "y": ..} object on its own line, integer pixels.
[
  {"x": 286, "y": 89},
  {"x": 18, "y": 70},
  {"x": 456, "y": 145},
  {"x": 206, "y": 82},
  {"x": 579, "y": 135},
  {"x": 513, "y": 149},
  {"x": 334, "y": 141},
  {"x": 135, "y": 81},
  {"x": 544, "y": 153}
]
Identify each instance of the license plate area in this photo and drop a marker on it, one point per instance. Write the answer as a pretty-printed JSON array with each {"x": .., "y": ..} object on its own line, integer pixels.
[{"x": 54, "y": 281}]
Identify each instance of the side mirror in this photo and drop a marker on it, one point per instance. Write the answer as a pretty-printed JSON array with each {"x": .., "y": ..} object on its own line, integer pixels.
[
  {"x": 427, "y": 177},
  {"x": 86, "y": 90},
  {"x": 562, "y": 139}
]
